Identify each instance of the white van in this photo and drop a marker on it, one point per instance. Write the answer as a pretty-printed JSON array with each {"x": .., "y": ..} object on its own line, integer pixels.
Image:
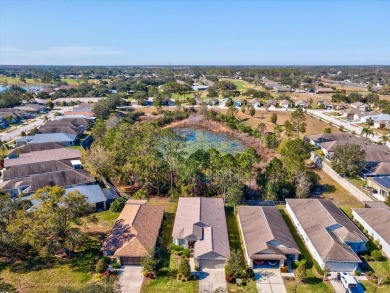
[{"x": 348, "y": 281}]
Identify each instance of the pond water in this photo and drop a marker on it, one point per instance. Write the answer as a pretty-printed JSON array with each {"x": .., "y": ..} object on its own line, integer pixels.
[
  {"x": 196, "y": 139},
  {"x": 32, "y": 87}
]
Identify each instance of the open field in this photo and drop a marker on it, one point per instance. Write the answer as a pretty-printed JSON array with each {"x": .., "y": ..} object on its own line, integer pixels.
[{"x": 16, "y": 80}]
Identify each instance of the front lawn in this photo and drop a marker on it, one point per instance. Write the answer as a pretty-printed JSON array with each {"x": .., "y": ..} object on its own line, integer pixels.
[
  {"x": 249, "y": 286},
  {"x": 165, "y": 284},
  {"x": 313, "y": 282}
]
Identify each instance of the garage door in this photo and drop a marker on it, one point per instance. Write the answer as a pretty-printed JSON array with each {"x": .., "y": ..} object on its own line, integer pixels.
[
  {"x": 128, "y": 261},
  {"x": 342, "y": 267},
  {"x": 211, "y": 264}
]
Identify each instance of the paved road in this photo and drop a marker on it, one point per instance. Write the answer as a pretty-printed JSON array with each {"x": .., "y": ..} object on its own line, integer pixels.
[
  {"x": 17, "y": 131},
  {"x": 347, "y": 125}
]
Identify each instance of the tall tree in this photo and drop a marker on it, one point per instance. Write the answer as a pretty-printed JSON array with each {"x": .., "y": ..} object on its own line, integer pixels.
[
  {"x": 348, "y": 159},
  {"x": 51, "y": 225},
  {"x": 298, "y": 120}
]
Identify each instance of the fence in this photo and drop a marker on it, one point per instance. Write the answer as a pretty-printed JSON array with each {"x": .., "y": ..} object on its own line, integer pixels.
[{"x": 356, "y": 192}]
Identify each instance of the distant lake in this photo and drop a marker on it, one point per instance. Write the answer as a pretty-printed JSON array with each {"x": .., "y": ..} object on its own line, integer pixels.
[
  {"x": 31, "y": 87},
  {"x": 196, "y": 139}
]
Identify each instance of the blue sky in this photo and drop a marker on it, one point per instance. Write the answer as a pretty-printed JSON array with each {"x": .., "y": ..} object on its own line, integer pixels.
[{"x": 203, "y": 32}]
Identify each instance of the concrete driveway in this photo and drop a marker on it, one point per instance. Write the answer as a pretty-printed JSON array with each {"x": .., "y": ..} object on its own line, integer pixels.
[
  {"x": 269, "y": 281},
  {"x": 211, "y": 279},
  {"x": 130, "y": 279}
]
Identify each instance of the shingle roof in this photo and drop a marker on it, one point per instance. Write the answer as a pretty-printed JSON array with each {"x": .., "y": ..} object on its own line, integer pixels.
[
  {"x": 262, "y": 225},
  {"x": 60, "y": 129},
  {"x": 327, "y": 227},
  {"x": 376, "y": 204},
  {"x": 193, "y": 218},
  {"x": 61, "y": 178},
  {"x": 27, "y": 170},
  {"x": 75, "y": 121},
  {"x": 28, "y": 148},
  {"x": 136, "y": 230},
  {"x": 378, "y": 219},
  {"x": 93, "y": 193},
  {"x": 48, "y": 137},
  {"x": 43, "y": 156}
]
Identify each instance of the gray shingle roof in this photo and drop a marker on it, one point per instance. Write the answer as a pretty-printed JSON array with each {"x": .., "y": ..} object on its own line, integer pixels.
[
  {"x": 328, "y": 228},
  {"x": 27, "y": 170},
  {"x": 93, "y": 193},
  {"x": 262, "y": 225},
  {"x": 204, "y": 219},
  {"x": 48, "y": 137},
  {"x": 43, "y": 156},
  {"x": 378, "y": 219}
]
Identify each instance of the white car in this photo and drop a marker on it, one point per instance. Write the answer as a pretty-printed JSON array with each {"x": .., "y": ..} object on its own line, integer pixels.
[{"x": 348, "y": 281}]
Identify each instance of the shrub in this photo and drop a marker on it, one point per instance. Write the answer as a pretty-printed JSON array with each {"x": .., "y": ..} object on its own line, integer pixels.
[
  {"x": 186, "y": 252},
  {"x": 284, "y": 269},
  {"x": 197, "y": 268},
  {"x": 300, "y": 272},
  {"x": 116, "y": 265},
  {"x": 118, "y": 204},
  {"x": 250, "y": 273},
  {"x": 101, "y": 266},
  {"x": 369, "y": 273},
  {"x": 376, "y": 255},
  {"x": 358, "y": 272},
  {"x": 107, "y": 259},
  {"x": 140, "y": 194},
  {"x": 184, "y": 271}
]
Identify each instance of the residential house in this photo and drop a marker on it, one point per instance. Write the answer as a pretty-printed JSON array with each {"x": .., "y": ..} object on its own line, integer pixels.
[
  {"x": 376, "y": 222},
  {"x": 285, "y": 104},
  {"x": 331, "y": 237},
  {"x": 134, "y": 102},
  {"x": 135, "y": 232},
  {"x": 200, "y": 225},
  {"x": 302, "y": 104},
  {"x": 62, "y": 178},
  {"x": 351, "y": 112},
  {"x": 377, "y": 170},
  {"x": 81, "y": 114},
  {"x": 28, "y": 148},
  {"x": 270, "y": 103},
  {"x": 61, "y": 138},
  {"x": 380, "y": 186},
  {"x": 43, "y": 156},
  {"x": 363, "y": 117},
  {"x": 361, "y": 106},
  {"x": 281, "y": 89},
  {"x": 379, "y": 120},
  {"x": 67, "y": 100},
  {"x": 33, "y": 108},
  {"x": 324, "y": 90},
  {"x": 265, "y": 236}
]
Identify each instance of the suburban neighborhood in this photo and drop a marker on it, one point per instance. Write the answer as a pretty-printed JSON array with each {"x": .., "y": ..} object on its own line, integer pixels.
[{"x": 194, "y": 147}]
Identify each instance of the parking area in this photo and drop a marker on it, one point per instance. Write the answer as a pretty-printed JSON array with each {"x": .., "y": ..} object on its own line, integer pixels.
[
  {"x": 130, "y": 279},
  {"x": 211, "y": 279},
  {"x": 269, "y": 280}
]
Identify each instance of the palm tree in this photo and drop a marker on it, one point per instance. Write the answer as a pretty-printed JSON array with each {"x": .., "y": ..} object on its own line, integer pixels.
[
  {"x": 3, "y": 149},
  {"x": 367, "y": 131},
  {"x": 384, "y": 139}
]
